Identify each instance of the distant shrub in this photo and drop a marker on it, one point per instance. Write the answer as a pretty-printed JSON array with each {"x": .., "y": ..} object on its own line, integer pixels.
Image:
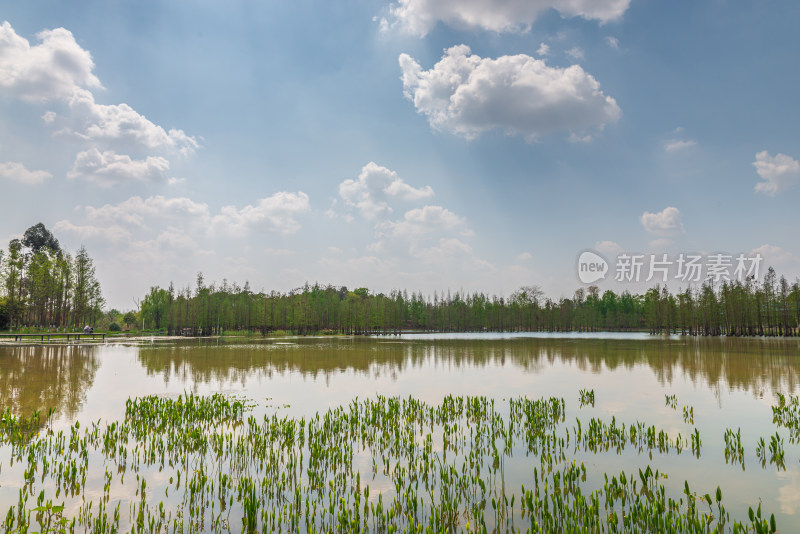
[{"x": 114, "y": 327}]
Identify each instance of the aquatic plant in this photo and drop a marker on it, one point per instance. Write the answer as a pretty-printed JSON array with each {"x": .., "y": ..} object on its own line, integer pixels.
[
  {"x": 787, "y": 415},
  {"x": 384, "y": 464},
  {"x": 586, "y": 397},
  {"x": 688, "y": 414},
  {"x": 734, "y": 450}
]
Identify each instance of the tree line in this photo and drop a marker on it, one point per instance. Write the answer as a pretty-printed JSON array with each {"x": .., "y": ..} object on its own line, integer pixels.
[
  {"x": 767, "y": 308},
  {"x": 43, "y": 285}
]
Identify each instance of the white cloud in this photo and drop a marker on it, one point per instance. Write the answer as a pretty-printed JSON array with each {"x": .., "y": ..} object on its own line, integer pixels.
[
  {"x": 277, "y": 211},
  {"x": 576, "y": 53},
  {"x": 678, "y": 144},
  {"x": 431, "y": 235},
  {"x": 137, "y": 211},
  {"x": 779, "y": 172},
  {"x": 575, "y": 138},
  {"x": 51, "y": 70},
  {"x": 109, "y": 168},
  {"x": 139, "y": 229},
  {"x": 120, "y": 123},
  {"x": 543, "y": 50},
  {"x": 112, "y": 233},
  {"x": 613, "y": 42},
  {"x": 665, "y": 222},
  {"x": 423, "y": 221},
  {"x": 450, "y": 251},
  {"x": 775, "y": 256},
  {"x": 12, "y": 170},
  {"x": 58, "y": 69},
  {"x": 608, "y": 247},
  {"x": 467, "y": 95},
  {"x": 374, "y": 187},
  {"x": 142, "y": 240},
  {"x": 525, "y": 256},
  {"x": 420, "y": 16}
]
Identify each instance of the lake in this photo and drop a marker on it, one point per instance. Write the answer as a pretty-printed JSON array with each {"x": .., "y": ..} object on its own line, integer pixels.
[{"x": 722, "y": 383}]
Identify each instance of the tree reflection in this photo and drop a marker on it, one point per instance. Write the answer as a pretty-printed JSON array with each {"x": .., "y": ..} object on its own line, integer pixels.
[
  {"x": 43, "y": 377},
  {"x": 756, "y": 365}
]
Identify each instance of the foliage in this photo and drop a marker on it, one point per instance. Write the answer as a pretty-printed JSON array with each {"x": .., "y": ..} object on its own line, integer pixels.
[
  {"x": 42, "y": 285},
  {"x": 751, "y": 308},
  {"x": 4, "y": 315},
  {"x": 129, "y": 319},
  {"x": 37, "y": 237},
  {"x": 384, "y": 464}
]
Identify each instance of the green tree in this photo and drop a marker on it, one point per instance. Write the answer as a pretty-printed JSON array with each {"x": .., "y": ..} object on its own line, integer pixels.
[
  {"x": 87, "y": 300},
  {"x": 12, "y": 274},
  {"x": 155, "y": 307},
  {"x": 37, "y": 237},
  {"x": 129, "y": 319}
]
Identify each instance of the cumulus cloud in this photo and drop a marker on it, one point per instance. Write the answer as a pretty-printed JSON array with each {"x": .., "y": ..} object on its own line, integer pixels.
[
  {"x": 121, "y": 124},
  {"x": 420, "y": 16},
  {"x": 665, "y": 222},
  {"x": 137, "y": 211},
  {"x": 430, "y": 235},
  {"x": 169, "y": 245},
  {"x": 467, "y": 95},
  {"x": 17, "y": 172},
  {"x": 58, "y": 69},
  {"x": 278, "y": 212},
  {"x": 613, "y": 42},
  {"x": 167, "y": 233},
  {"x": 449, "y": 250},
  {"x": 543, "y": 50},
  {"x": 373, "y": 189},
  {"x": 423, "y": 221},
  {"x": 51, "y": 70},
  {"x": 576, "y": 53},
  {"x": 779, "y": 172},
  {"x": 678, "y": 144},
  {"x": 112, "y": 233},
  {"x": 109, "y": 168}
]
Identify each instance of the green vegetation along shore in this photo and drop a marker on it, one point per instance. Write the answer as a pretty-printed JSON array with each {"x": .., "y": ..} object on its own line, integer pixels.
[
  {"x": 201, "y": 464},
  {"x": 42, "y": 287},
  {"x": 767, "y": 308}
]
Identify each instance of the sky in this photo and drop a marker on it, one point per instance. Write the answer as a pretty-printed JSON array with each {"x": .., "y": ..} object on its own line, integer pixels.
[{"x": 426, "y": 145}]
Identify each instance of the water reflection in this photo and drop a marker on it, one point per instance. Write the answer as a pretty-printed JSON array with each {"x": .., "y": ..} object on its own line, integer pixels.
[
  {"x": 44, "y": 377},
  {"x": 760, "y": 366}
]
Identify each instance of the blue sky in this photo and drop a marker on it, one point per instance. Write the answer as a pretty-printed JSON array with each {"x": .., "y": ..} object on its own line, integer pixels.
[{"x": 419, "y": 144}]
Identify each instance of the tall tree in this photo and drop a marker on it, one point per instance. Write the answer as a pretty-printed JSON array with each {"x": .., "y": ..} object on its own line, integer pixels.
[{"x": 37, "y": 237}]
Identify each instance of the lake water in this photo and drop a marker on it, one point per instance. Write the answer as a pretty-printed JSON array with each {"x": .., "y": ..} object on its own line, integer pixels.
[{"x": 728, "y": 383}]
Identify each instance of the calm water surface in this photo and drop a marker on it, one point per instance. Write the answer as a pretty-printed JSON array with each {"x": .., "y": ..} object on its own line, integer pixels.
[{"x": 730, "y": 383}]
